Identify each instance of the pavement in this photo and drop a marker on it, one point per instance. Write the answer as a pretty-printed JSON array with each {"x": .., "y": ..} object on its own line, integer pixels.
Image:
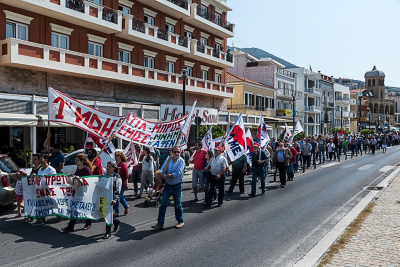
[
  {"x": 275, "y": 229},
  {"x": 377, "y": 243}
]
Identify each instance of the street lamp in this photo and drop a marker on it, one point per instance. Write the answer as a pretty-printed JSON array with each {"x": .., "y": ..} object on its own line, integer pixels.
[
  {"x": 184, "y": 76},
  {"x": 294, "y": 107},
  {"x": 341, "y": 118}
]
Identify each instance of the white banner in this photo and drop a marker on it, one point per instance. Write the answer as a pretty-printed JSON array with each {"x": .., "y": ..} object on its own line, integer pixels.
[
  {"x": 52, "y": 195},
  {"x": 209, "y": 116},
  {"x": 65, "y": 109},
  {"x": 235, "y": 141},
  {"x": 207, "y": 142}
]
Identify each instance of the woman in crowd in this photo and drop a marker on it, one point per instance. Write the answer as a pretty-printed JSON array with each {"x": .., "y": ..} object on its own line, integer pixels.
[
  {"x": 83, "y": 168},
  {"x": 207, "y": 176},
  {"x": 123, "y": 173},
  {"x": 112, "y": 171},
  {"x": 147, "y": 171}
]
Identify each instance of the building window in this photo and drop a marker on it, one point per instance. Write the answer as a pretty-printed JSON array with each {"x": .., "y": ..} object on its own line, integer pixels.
[
  {"x": 149, "y": 20},
  {"x": 373, "y": 82},
  {"x": 248, "y": 99},
  {"x": 16, "y": 30},
  {"x": 279, "y": 84},
  {"x": 125, "y": 10},
  {"x": 95, "y": 49},
  {"x": 217, "y": 78},
  {"x": 170, "y": 66},
  {"x": 188, "y": 34},
  {"x": 203, "y": 41},
  {"x": 149, "y": 62},
  {"x": 204, "y": 12},
  {"x": 124, "y": 56},
  {"x": 203, "y": 75},
  {"x": 260, "y": 103},
  {"x": 217, "y": 47},
  {"x": 59, "y": 40},
  {"x": 189, "y": 71},
  {"x": 170, "y": 28},
  {"x": 99, "y": 2},
  {"x": 217, "y": 18}
]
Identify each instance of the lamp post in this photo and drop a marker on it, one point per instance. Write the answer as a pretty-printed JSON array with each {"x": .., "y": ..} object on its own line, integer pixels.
[
  {"x": 341, "y": 118},
  {"x": 184, "y": 76},
  {"x": 369, "y": 118},
  {"x": 294, "y": 107}
]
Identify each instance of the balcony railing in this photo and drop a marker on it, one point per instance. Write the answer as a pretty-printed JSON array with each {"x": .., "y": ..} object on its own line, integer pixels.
[
  {"x": 286, "y": 92},
  {"x": 183, "y": 41},
  {"x": 138, "y": 25},
  {"x": 108, "y": 14},
  {"x": 246, "y": 107},
  {"x": 15, "y": 52},
  {"x": 314, "y": 90},
  {"x": 287, "y": 73},
  {"x": 181, "y": 3},
  {"x": 162, "y": 34},
  {"x": 313, "y": 108},
  {"x": 329, "y": 105},
  {"x": 342, "y": 98},
  {"x": 216, "y": 19}
]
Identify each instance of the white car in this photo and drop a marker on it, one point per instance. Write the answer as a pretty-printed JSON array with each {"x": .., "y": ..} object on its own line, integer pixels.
[{"x": 70, "y": 167}]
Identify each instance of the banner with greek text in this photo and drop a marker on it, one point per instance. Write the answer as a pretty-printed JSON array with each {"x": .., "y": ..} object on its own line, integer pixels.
[
  {"x": 65, "y": 109},
  {"x": 89, "y": 197},
  {"x": 156, "y": 134}
]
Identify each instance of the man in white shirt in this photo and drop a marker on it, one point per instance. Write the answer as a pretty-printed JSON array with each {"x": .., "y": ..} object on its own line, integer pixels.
[{"x": 217, "y": 167}]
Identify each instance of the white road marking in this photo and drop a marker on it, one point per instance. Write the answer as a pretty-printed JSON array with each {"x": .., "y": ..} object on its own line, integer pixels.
[
  {"x": 330, "y": 165},
  {"x": 386, "y": 168},
  {"x": 366, "y": 167},
  {"x": 347, "y": 166}
]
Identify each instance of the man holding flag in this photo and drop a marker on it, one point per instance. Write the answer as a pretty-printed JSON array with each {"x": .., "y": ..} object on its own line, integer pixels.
[{"x": 258, "y": 160}]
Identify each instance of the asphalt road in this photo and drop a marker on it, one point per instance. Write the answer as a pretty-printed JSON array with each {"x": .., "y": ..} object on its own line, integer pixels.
[{"x": 276, "y": 229}]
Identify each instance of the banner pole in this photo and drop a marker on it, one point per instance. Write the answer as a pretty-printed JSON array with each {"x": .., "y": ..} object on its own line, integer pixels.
[{"x": 104, "y": 147}]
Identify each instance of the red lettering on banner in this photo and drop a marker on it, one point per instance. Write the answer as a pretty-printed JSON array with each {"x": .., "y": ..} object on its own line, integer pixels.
[
  {"x": 84, "y": 182},
  {"x": 144, "y": 138},
  {"x": 142, "y": 127},
  {"x": 79, "y": 116},
  {"x": 156, "y": 127},
  {"x": 106, "y": 129},
  {"x": 172, "y": 114},
  {"x": 95, "y": 118},
  {"x": 120, "y": 122},
  {"x": 60, "y": 115},
  {"x": 136, "y": 124},
  {"x": 132, "y": 120},
  {"x": 50, "y": 192}
]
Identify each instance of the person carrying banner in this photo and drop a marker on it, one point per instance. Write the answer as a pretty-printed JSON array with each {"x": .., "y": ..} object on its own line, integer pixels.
[
  {"x": 173, "y": 187},
  {"x": 97, "y": 167},
  {"x": 147, "y": 171},
  {"x": 257, "y": 163},
  {"x": 123, "y": 173},
  {"x": 83, "y": 168},
  {"x": 217, "y": 168},
  {"x": 239, "y": 167},
  {"x": 45, "y": 169},
  {"x": 112, "y": 171},
  {"x": 137, "y": 170},
  {"x": 198, "y": 169},
  {"x": 282, "y": 158}
]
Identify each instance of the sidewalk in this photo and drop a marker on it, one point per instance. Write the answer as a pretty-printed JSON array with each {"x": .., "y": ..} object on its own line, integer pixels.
[{"x": 377, "y": 243}]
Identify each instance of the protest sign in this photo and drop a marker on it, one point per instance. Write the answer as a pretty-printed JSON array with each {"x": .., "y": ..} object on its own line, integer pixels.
[
  {"x": 52, "y": 195},
  {"x": 65, "y": 109}
]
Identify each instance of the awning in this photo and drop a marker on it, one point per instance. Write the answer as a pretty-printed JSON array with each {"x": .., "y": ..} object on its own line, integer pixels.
[
  {"x": 52, "y": 124},
  {"x": 9, "y": 119}
]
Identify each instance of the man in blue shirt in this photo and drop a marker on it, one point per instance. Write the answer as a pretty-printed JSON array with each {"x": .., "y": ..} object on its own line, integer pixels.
[
  {"x": 57, "y": 158},
  {"x": 173, "y": 175}
]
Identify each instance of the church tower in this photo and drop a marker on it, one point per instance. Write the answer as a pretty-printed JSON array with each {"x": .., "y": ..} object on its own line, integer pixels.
[{"x": 375, "y": 84}]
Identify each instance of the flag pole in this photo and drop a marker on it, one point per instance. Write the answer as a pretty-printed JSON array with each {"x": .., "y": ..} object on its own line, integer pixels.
[{"x": 104, "y": 147}]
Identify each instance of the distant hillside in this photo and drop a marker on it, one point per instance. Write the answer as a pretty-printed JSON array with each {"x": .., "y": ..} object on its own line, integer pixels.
[{"x": 258, "y": 53}]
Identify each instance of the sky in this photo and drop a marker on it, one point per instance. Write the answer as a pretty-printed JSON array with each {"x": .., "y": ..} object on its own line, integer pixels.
[{"x": 340, "y": 38}]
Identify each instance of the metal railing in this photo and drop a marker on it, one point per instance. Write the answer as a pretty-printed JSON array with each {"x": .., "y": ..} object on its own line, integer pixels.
[
  {"x": 216, "y": 19},
  {"x": 183, "y": 41},
  {"x": 138, "y": 25},
  {"x": 162, "y": 34},
  {"x": 201, "y": 49},
  {"x": 77, "y": 5},
  {"x": 314, "y": 90},
  {"x": 110, "y": 15},
  {"x": 181, "y": 3},
  {"x": 287, "y": 73}
]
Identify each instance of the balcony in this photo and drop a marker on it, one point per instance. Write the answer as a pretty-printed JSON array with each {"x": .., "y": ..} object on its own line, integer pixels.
[
  {"x": 209, "y": 22},
  {"x": 28, "y": 55},
  {"x": 342, "y": 99},
  {"x": 286, "y": 73},
  {"x": 141, "y": 32},
  {"x": 209, "y": 55},
  {"x": 314, "y": 91},
  {"x": 313, "y": 109},
  {"x": 176, "y": 8},
  {"x": 329, "y": 105},
  {"x": 287, "y": 93},
  {"x": 338, "y": 114},
  {"x": 79, "y": 12},
  {"x": 352, "y": 115},
  {"x": 252, "y": 110}
]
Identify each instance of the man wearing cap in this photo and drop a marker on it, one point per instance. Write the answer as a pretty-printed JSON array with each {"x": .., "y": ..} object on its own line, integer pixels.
[
  {"x": 282, "y": 158},
  {"x": 217, "y": 168},
  {"x": 258, "y": 159},
  {"x": 173, "y": 175}
]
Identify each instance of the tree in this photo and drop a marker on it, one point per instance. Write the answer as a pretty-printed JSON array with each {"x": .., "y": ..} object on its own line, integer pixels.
[
  {"x": 216, "y": 131},
  {"x": 367, "y": 131},
  {"x": 338, "y": 130}
]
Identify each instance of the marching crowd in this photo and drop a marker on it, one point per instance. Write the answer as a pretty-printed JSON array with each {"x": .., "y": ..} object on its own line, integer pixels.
[{"x": 209, "y": 173}]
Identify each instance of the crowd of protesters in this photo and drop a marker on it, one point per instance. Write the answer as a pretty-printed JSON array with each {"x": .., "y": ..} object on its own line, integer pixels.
[{"x": 283, "y": 158}]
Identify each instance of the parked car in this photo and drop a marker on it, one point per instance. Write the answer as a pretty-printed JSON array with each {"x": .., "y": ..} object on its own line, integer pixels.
[
  {"x": 70, "y": 167},
  {"x": 7, "y": 185}
]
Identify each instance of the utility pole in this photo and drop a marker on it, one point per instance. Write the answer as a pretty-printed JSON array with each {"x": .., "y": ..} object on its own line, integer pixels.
[{"x": 341, "y": 117}]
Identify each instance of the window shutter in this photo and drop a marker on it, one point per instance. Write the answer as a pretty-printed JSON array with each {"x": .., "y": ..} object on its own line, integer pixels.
[
  {"x": 267, "y": 102},
  {"x": 262, "y": 102},
  {"x": 272, "y": 103},
  {"x": 252, "y": 100}
]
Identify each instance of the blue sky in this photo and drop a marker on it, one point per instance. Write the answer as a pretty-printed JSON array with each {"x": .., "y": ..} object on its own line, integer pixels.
[{"x": 340, "y": 38}]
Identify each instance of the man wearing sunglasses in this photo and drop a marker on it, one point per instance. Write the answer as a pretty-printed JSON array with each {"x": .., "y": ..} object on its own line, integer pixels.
[{"x": 173, "y": 176}]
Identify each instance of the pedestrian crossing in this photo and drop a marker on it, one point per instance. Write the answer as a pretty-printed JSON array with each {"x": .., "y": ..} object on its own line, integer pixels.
[
  {"x": 348, "y": 166},
  {"x": 366, "y": 167}
]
